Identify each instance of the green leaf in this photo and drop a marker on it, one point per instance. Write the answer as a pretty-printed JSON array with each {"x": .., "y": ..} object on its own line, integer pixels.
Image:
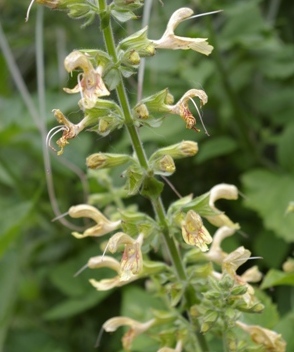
[
  {"x": 74, "y": 306},
  {"x": 286, "y": 328},
  {"x": 285, "y": 148},
  {"x": 269, "y": 194},
  {"x": 134, "y": 303},
  {"x": 216, "y": 147},
  {"x": 12, "y": 217},
  {"x": 9, "y": 278},
  {"x": 62, "y": 275},
  {"x": 276, "y": 278},
  {"x": 272, "y": 249}
]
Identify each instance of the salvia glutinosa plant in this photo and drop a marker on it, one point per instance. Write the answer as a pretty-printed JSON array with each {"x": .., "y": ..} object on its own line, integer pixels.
[{"x": 203, "y": 298}]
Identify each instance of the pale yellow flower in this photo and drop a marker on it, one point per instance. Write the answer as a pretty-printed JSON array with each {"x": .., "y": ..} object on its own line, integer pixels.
[
  {"x": 193, "y": 231},
  {"x": 131, "y": 262},
  {"x": 272, "y": 341},
  {"x": 235, "y": 259},
  {"x": 252, "y": 275},
  {"x": 104, "y": 261},
  {"x": 222, "y": 191},
  {"x": 103, "y": 225},
  {"x": 136, "y": 328},
  {"x": 215, "y": 253},
  {"x": 171, "y": 41}
]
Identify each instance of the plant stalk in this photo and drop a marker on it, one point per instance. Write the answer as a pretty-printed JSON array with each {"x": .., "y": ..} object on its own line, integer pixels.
[{"x": 140, "y": 152}]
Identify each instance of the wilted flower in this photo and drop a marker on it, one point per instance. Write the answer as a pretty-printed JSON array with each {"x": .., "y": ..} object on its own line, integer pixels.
[
  {"x": 181, "y": 108},
  {"x": 171, "y": 41},
  {"x": 90, "y": 84},
  {"x": 136, "y": 328},
  {"x": 193, "y": 231},
  {"x": 70, "y": 130},
  {"x": 270, "y": 340},
  {"x": 103, "y": 225},
  {"x": 52, "y": 4}
]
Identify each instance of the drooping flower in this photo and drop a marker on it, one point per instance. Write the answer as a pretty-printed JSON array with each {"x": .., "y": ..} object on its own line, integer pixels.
[
  {"x": 269, "y": 339},
  {"x": 103, "y": 225},
  {"x": 222, "y": 191},
  {"x": 215, "y": 253},
  {"x": 104, "y": 261},
  {"x": 90, "y": 83},
  {"x": 252, "y": 274},
  {"x": 193, "y": 231},
  {"x": 69, "y": 130},
  {"x": 171, "y": 41},
  {"x": 136, "y": 328}
]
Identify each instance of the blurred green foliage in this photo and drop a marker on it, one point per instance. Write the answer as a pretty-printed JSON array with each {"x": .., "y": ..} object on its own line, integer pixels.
[{"x": 249, "y": 80}]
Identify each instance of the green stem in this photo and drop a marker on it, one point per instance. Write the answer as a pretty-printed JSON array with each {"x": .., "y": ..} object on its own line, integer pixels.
[{"x": 140, "y": 152}]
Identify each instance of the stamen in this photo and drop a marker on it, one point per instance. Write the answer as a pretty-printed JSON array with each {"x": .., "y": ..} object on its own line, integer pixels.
[
  {"x": 105, "y": 249},
  {"x": 29, "y": 9},
  {"x": 81, "y": 270},
  {"x": 48, "y": 134},
  {"x": 200, "y": 117},
  {"x": 241, "y": 259},
  {"x": 80, "y": 85},
  {"x": 48, "y": 139},
  {"x": 59, "y": 216},
  {"x": 202, "y": 14},
  {"x": 97, "y": 344}
]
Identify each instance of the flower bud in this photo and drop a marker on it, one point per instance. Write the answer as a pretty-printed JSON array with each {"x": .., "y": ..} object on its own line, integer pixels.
[
  {"x": 106, "y": 160},
  {"x": 239, "y": 290},
  {"x": 131, "y": 58},
  {"x": 141, "y": 111},
  {"x": 226, "y": 282},
  {"x": 177, "y": 151},
  {"x": 158, "y": 102},
  {"x": 163, "y": 165},
  {"x": 288, "y": 266},
  {"x": 138, "y": 41}
]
